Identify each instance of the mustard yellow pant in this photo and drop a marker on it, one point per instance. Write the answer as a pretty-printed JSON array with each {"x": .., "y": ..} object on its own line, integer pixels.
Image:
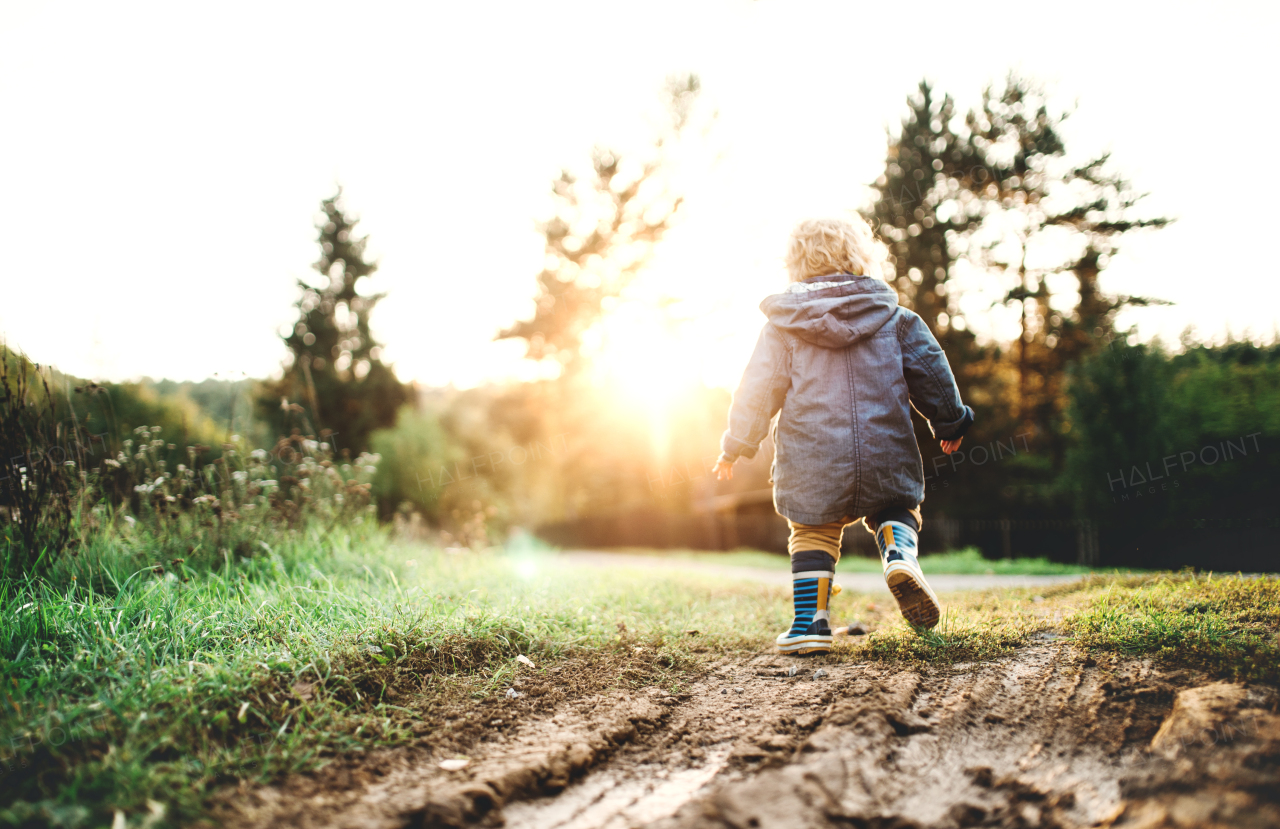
[{"x": 827, "y": 537}]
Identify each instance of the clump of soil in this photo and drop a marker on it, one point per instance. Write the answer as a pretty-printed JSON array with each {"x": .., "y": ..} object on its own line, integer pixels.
[{"x": 1045, "y": 738}]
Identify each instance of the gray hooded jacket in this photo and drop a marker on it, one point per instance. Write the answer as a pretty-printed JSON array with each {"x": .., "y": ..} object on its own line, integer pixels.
[{"x": 841, "y": 366}]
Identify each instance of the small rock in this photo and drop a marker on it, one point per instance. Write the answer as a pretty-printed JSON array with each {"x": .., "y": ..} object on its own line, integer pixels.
[
  {"x": 512, "y": 693},
  {"x": 819, "y": 674},
  {"x": 457, "y": 764},
  {"x": 793, "y": 671},
  {"x": 524, "y": 660},
  {"x": 724, "y": 690},
  {"x": 737, "y": 690},
  {"x": 719, "y": 720},
  {"x": 1037, "y": 599}
]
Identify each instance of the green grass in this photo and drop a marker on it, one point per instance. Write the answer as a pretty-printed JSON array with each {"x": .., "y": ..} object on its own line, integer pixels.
[
  {"x": 1225, "y": 625},
  {"x": 124, "y": 686},
  {"x": 966, "y": 561}
]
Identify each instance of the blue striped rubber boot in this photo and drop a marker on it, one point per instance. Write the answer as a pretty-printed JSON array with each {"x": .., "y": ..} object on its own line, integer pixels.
[
  {"x": 813, "y": 573},
  {"x": 917, "y": 601}
]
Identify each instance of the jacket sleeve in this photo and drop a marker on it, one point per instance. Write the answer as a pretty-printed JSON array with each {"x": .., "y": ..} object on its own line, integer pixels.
[
  {"x": 759, "y": 396},
  {"x": 930, "y": 383}
]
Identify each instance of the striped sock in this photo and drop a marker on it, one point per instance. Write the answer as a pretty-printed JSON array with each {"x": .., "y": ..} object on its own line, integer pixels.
[
  {"x": 895, "y": 540},
  {"x": 811, "y": 591}
]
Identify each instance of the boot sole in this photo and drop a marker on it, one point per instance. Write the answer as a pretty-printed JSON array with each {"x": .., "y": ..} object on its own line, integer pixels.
[
  {"x": 915, "y": 600},
  {"x": 806, "y": 645}
]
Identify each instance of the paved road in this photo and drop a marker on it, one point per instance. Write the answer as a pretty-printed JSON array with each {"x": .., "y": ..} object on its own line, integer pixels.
[{"x": 859, "y": 582}]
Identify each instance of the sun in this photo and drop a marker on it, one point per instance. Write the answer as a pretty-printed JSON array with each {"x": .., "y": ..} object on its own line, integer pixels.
[{"x": 649, "y": 366}]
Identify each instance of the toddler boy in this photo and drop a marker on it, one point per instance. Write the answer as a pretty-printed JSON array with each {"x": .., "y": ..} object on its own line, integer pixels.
[{"x": 841, "y": 364}]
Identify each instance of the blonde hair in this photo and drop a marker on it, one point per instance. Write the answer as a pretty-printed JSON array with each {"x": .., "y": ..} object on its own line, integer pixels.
[{"x": 822, "y": 247}]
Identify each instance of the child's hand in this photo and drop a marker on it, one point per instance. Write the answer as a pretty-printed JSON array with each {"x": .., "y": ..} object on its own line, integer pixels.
[
  {"x": 723, "y": 470},
  {"x": 949, "y": 446}
]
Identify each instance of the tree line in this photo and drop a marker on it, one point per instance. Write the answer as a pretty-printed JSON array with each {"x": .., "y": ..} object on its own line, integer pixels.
[{"x": 987, "y": 203}]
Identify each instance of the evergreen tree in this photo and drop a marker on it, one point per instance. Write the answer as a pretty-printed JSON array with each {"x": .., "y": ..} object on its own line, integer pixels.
[
  {"x": 921, "y": 206},
  {"x": 1044, "y": 218},
  {"x": 996, "y": 189},
  {"x": 335, "y": 378}
]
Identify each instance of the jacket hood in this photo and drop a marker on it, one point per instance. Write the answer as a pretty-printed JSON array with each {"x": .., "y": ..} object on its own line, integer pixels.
[{"x": 833, "y": 311}]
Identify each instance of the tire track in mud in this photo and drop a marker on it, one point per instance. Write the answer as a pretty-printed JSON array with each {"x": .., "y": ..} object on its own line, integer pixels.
[
  {"x": 1046, "y": 738},
  {"x": 409, "y": 788}
]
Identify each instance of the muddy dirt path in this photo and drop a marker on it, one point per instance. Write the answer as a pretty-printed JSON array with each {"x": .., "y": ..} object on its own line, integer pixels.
[{"x": 1045, "y": 738}]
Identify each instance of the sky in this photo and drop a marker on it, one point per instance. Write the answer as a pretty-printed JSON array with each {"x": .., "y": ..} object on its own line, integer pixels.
[{"x": 162, "y": 164}]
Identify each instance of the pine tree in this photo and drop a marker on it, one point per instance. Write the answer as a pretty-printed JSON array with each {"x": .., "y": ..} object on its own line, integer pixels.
[
  {"x": 335, "y": 377},
  {"x": 995, "y": 188},
  {"x": 922, "y": 168},
  {"x": 1048, "y": 218}
]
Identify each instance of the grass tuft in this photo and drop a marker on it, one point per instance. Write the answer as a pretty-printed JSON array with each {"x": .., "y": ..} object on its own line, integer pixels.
[{"x": 1225, "y": 625}]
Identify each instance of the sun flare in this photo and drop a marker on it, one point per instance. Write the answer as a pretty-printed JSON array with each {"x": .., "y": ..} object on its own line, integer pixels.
[{"x": 651, "y": 366}]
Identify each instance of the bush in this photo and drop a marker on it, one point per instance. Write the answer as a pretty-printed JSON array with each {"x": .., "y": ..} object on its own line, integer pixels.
[{"x": 204, "y": 514}]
